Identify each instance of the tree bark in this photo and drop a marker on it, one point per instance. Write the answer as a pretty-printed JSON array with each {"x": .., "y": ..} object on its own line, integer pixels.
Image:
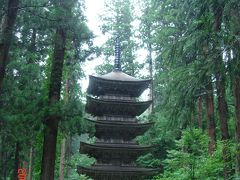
[
  {"x": 32, "y": 47},
  {"x": 4, "y": 154},
  {"x": 6, "y": 29},
  {"x": 237, "y": 114},
  {"x": 220, "y": 72},
  {"x": 62, "y": 159},
  {"x": 1, "y": 155},
  {"x": 151, "y": 75},
  {"x": 211, "y": 127},
  {"x": 199, "y": 112},
  {"x": 51, "y": 122},
  {"x": 5, "y": 167},
  {"x": 222, "y": 111},
  {"x": 63, "y": 145},
  {"x": 222, "y": 107},
  {"x": 68, "y": 153},
  {"x": 234, "y": 15},
  {"x": 30, "y": 163},
  {"x": 16, "y": 161}
]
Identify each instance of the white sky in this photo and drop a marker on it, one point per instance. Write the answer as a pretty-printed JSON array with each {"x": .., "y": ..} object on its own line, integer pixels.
[{"x": 93, "y": 9}]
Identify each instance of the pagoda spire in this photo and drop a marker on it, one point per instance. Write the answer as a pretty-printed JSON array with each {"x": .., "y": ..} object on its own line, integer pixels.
[{"x": 117, "y": 61}]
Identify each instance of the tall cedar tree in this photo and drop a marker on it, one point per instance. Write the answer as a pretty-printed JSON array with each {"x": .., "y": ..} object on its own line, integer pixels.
[
  {"x": 146, "y": 32},
  {"x": 220, "y": 86},
  {"x": 234, "y": 28},
  {"x": 211, "y": 125},
  {"x": 51, "y": 122},
  {"x": 6, "y": 31}
]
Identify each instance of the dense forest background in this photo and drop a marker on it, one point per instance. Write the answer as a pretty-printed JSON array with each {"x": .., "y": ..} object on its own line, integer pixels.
[{"x": 193, "y": 57}]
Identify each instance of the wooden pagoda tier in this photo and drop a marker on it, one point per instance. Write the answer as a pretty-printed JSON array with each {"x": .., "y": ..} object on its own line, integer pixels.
[
  {"x": 115, "y": 151},
  {"x": 117, "y": 82},
  {"x": 118, "y": 154},
  {"x": 113, "y": 106},
  {"x": 110, "y": 172},
  {"x": 121, "y": 130}
]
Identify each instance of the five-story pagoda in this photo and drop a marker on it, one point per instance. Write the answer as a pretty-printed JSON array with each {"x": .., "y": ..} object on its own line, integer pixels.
[{"x": 113, "y": 104}]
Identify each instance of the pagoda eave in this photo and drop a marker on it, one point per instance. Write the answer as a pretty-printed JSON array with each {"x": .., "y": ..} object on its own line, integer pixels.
[
  {"x": 85, "y": 147},
  {"x": 117, "y": 171},
  {"x": 110, "y": 123},
  {"x": 115, "y": 153},
  {"x": 100, "y": 86},
  {"x": 128, "y": 131},
  {"x": 100, "y": 107}
]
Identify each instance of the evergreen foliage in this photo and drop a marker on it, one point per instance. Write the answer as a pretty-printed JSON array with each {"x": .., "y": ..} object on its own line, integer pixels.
[
  {"x": 117, "y": 21},
  {"x": 192, "y": 53}
]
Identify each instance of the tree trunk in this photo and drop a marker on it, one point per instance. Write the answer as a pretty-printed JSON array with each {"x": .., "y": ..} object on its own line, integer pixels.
[
  {"x": 234, "y": 15},
  {"x": 68, "y": 153},
  {"x": 1, "y": 155},
  {"x": 51, "y": 122},
  {"x": 237, "y": 114},
  {"x": 16, "y": 161},
  {"x": 199, "y": 112},
  {"x": 222, "y": 111},
  {"x": 5, "y": 167},
  {"x": 32, "y": 47},
  {"x": 220, "y": 85},
  {"x": 4, "y": 155},
  {"x": 151, "y": 75},
  {"x": 30, "y": 163},
  {"x": 3, "y": 170},
  {"x": 63, "y": 145},
  {"x": 211, "y": 127},
  {"x": 6, "y": 29},
  {"x": 62, "y": 159},
  {"x": 49, "y": 149},
  {"x": 222, "y": 107},
  {"x": 220, "y": 72}
]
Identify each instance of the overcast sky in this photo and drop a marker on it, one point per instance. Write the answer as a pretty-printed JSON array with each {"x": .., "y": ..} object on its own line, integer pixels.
[{"x": 93, "y": 10}]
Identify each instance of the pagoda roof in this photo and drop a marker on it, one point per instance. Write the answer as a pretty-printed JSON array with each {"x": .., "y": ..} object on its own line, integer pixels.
[
  {"x": 85, "y": 147},
  {"x": 119, "y": 130},
  {"x": 120, "y": 124},
  {"x": 114, "y": 153},
  {"x": 104, "y": 170},
  {"x": 119, "y": 76},
  {"x": 100, "y": 107},
  {"x": 117, "y": 82}
]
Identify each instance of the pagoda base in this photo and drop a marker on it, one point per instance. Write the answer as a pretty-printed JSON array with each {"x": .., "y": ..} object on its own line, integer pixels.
[{"x": 108, "y": 172}]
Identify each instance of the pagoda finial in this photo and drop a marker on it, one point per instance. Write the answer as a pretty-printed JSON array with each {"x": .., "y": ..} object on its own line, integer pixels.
[{"x": 117, "y": 61}]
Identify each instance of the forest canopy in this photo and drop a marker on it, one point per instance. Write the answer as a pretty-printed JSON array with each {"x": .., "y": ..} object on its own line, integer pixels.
[{"x": 192, "y": 54}]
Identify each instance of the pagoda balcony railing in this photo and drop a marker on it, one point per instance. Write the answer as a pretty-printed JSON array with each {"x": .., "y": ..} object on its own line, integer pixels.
[
  {"x": 116, "y": 118},
  {"x": 132, "y": 164},
  {"x": 115, "y": 97},
  {"x": 115, "y": 141}
]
